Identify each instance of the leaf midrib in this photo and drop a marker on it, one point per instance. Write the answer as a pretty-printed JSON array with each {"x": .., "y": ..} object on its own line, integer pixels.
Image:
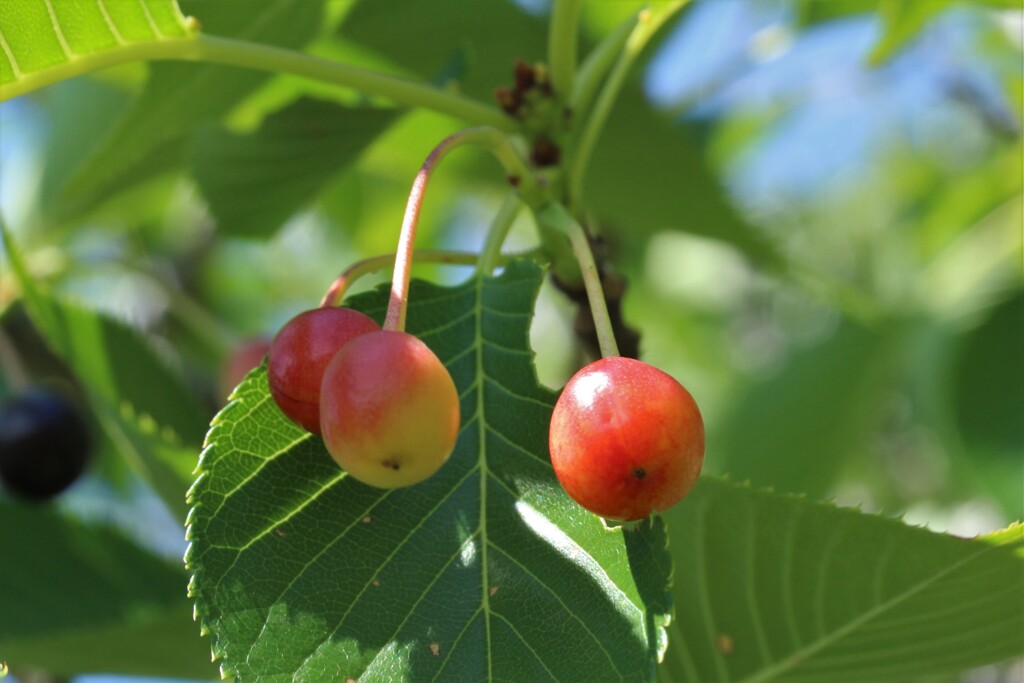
[{"x": 482, "y": 439}]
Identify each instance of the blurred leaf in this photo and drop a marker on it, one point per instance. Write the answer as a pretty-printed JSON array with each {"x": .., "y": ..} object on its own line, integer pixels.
[
  {"x": 775, "y": 588},
  {"x": 254, "y": 183},
  {"x": 81, "y": 113},
  {"x": 960, "y": 203},
  {"x": 486, "y": 571},
  {"x": 46, "y": 42},
  {"x": 811, "y": 12},
  {"x": 178, "y": 98},
  {"x": 145, "y": 408},
  {"x": 484, "y": 39},
  {"x": 80, "y": 598},
  {"x": 989, "y": 377},
  {"x": 793, "y": 429},
  {"x": 902, "y": 20},
  {"x": 647, "y": 175}
]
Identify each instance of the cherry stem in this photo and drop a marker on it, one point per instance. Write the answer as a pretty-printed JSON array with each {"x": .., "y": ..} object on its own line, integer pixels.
[
  {"x": 562, "y": 39},
  {"x": 647, "y": 24},
  {"x": 490, "y": 254},
  {"x": 337, "y": 290},
  {"x": 491, "y": 139},
  {"x": 558, "y": 215}
]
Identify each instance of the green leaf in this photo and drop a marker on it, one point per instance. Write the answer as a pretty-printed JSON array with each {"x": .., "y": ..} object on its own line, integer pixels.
[
  {"x": 254, "y": 183},
  {"x": 774, "y": 588},
  {"x": 647, "y": 174},
  {"x": 486, "y": 571},
  {"x": 483, "y": 39},
  {"x": 45, "y": 41},
  {"x": 988, "y": 376},
  {"x": 792, "y": 430},
  {"x": 902, "y": 20},
  {"x": 179, "y": 98},
  {"x": 83, "y": 598},
  {"x": 142, "y": 404}
]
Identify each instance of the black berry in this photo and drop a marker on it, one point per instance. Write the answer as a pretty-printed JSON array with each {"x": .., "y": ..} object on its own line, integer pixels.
[{"x": 45, "y": 445}]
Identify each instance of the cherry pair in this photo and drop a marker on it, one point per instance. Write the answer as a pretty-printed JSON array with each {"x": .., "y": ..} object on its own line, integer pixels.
[{"x": 384, "y": 403}]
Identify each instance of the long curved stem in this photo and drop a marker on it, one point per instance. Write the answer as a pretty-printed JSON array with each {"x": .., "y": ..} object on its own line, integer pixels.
[
  {"x": 490, "y": 139},
  {"x": 648, "y": 23},
  {"x": 207, "y": 48},
  {"x": 596, "y": 66},
  {"x": 502, "y": 223}
]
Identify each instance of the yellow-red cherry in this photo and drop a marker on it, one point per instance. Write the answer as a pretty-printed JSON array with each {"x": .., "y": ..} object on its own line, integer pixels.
[
  {"x": 389, "y": 410},
  {"x": 301, "y": 351},
  {"x": 626, "y": 439}
]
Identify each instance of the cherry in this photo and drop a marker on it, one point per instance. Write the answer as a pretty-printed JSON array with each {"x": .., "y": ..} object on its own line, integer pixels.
[
  {"x": 389, "y": 411},
  {"x": 300, "y": 352},
  {"x": 45, "y": 445},
  {"x": 239, "y": 362},
  {"x": 626, "y": 439}
]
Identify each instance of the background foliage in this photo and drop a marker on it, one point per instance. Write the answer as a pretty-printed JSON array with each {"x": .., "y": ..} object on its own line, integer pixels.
[{"x": 817, "y": 206}]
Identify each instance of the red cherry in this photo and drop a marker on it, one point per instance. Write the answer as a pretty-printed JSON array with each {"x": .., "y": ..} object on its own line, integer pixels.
[
  {"x": 626, "y": 439},
  {"x": 389, "y": 410},
  {"x": 301, "y": 351}
]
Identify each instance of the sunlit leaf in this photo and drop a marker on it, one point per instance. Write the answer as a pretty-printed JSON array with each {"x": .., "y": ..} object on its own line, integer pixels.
[{"x": 42, "y": 42}]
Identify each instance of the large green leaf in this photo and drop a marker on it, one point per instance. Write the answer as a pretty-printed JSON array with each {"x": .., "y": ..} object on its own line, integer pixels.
[
  {"x": 80, "y": 598},
  {"x": 144, "y": 407},
  {"x": 988, "y": 376},
  {"x": 44, "y": 41},
  {"x": 254, "y": 183},
  {"x": 486, "y": 571},
  {"x": 776, "y": 588},
  {"x": 482, "y": 39},
  {"x": 179, "y": 98}
]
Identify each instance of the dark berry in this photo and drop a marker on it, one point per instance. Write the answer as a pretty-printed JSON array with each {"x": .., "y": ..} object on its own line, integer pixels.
[{"x": 45, "y": 445}]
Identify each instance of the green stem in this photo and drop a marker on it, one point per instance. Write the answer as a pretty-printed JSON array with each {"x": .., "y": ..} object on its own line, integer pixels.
[
  {"x": 502, "y": 223},
  {"x": 337, "y": 290},
  {"x": 207, "y": 48},
  {"x": 556, "y": 214},
  {"x": 596, "y": 66},
  {"x": 491, "y": 139},
  {"x": 648, "y": 23},
  {"x": 562, "y": 39}
]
